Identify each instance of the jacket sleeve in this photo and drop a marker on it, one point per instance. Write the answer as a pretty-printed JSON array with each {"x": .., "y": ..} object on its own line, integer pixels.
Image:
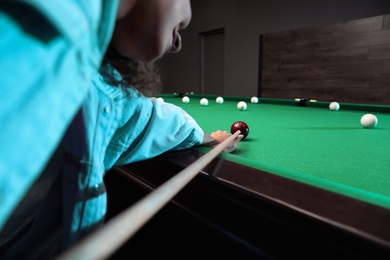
[
  {"x": 150, "y": 127},
  {"x": 46, "y": 70}
]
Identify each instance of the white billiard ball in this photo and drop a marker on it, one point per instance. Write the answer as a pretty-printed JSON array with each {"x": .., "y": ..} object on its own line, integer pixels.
[
  {"x": 204, "y": 102},
  {"x": 241, "y": 105},
  {"x": 369, "y": 121},
  {"x": 185, "y": 100},
  {"x": 160, "y": 99},
  {"x": 219, "y": 100},
  {"x": 254, "y": 100},
  {"x": 334, "y": 106}
]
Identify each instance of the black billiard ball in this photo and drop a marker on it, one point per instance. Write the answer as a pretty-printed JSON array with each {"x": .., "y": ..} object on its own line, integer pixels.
[
  {"x": 242, "y": 126},
  {"x": 302, "y": 102}
]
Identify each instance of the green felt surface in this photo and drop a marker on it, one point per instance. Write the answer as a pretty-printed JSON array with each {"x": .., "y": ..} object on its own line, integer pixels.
[{"x": 328, "y": 149}]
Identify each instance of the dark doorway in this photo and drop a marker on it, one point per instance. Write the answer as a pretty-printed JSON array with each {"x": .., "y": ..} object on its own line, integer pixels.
[{"x": 212, "y": 62}]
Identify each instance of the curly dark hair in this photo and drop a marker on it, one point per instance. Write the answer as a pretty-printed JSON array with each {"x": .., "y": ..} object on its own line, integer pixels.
[{"x": 143, "y": 76}]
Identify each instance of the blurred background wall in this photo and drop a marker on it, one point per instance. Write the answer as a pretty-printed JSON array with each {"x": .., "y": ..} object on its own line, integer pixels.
[{"x": 224, "y": 44}]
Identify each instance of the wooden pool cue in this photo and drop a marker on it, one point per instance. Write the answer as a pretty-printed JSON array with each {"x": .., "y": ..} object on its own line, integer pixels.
[{"x": 106, "y": 240}]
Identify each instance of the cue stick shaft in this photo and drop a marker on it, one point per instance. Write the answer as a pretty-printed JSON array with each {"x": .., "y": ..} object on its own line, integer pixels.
[{"x": 106, "y": 240}]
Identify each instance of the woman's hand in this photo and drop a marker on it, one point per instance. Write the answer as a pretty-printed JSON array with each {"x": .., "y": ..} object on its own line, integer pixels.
[{"x": 219, "y": 136}]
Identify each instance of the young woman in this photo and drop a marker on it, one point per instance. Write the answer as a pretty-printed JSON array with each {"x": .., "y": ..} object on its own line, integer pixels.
[{"x": 75, "y": 95}]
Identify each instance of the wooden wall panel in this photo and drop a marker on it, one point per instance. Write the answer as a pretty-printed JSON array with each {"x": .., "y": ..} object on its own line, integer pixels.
[
  {"x": 346, "y": 62},
  {"x": 381, "y": 52},
  {"x": 386, "y": 22}
]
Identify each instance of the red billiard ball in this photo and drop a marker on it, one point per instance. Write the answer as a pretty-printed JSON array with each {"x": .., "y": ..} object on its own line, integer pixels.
[{"x": 242, "y": 126}]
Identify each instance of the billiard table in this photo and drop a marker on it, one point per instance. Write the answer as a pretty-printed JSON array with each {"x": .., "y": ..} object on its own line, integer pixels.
[{"x": 306, "y": 182}]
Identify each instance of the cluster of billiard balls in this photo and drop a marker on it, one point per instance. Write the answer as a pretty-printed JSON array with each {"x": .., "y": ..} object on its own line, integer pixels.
[
  {"x": 241, "y": 105},
  {"x": 367, "y": 120}
]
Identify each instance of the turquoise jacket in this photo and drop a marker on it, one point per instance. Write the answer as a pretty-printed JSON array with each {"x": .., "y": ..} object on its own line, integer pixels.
[{"x": 52, "y": 94}]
